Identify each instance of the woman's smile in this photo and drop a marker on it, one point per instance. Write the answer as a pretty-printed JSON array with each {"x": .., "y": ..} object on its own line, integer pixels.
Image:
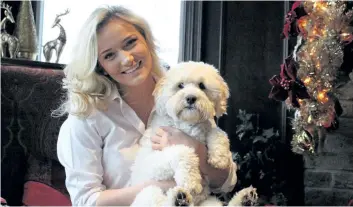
[{"x": 133, "y": 69}]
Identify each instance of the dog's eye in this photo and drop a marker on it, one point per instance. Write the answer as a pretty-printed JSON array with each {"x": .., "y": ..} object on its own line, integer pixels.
[
  {"x": 181, "y": 85},
  {"x": 202, "y": 86}
]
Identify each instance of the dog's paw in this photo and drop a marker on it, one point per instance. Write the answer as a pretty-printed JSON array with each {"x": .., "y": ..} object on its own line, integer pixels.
[
  {"x": 182, "y": 198},
  {"x": 246, "y": 197},
  {"x": 179, "y": 197},
  {"x": 250, "y": 199}
]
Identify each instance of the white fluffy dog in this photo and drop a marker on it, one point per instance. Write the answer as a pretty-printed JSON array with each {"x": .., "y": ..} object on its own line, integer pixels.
[{"x": 188, "y": 98}]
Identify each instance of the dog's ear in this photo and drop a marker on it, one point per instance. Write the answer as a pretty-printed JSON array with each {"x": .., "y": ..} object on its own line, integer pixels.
[
  {"x": 222, "y": 101},
  {"x": 158, "y": 96}
]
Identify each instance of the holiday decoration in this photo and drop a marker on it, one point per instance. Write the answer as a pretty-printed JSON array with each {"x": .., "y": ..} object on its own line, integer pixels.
[
  {"x": 58, "y": 44},
  {"x": 307, "y": 80},
  {"x": 287, "y": 85},
  {"x": 26, "y": 32},
  {"x": 9, "y": 43}
]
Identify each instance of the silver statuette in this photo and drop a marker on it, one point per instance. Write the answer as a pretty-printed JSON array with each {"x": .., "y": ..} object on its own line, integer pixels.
[
  {"x": 9, "y": 43},
  {"x": 58, "y": 44}
]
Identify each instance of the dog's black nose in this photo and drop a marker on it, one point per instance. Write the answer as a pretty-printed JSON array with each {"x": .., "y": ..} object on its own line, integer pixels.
[{"x": 190, "y": 99}]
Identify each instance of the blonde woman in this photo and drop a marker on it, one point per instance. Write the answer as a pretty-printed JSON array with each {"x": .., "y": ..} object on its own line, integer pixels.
[{"x": 109, "y": 84}]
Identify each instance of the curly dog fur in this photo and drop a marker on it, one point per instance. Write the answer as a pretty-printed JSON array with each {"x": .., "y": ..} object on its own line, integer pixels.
[{"x": 188, "y": 97}]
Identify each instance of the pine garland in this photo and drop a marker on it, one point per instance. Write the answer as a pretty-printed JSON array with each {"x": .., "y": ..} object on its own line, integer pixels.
[{"x": 308, "y": 76}]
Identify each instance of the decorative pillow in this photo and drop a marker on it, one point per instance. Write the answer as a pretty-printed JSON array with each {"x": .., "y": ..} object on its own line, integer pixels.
[
  {"x": 39, "y": 194},
  {"x": 3, "y": 201}
]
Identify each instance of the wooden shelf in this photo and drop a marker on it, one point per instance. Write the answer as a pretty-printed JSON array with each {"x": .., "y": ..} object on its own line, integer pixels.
[{"x": 31, "y": 63}]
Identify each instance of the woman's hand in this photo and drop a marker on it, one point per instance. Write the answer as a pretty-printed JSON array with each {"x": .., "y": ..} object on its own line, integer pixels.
[{"x": 168, "y": 136}]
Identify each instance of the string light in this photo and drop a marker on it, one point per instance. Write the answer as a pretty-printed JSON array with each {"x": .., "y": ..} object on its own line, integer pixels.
[
  {"x": 319, "y": 57},
  {"x": 322, "y": 96}
]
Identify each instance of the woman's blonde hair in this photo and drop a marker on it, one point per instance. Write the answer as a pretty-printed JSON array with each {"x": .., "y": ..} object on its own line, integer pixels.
[{"x": 86, "y": 89}]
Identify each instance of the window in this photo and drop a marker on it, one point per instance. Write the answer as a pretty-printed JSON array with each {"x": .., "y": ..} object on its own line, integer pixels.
[{"x": 163, "y": 17}]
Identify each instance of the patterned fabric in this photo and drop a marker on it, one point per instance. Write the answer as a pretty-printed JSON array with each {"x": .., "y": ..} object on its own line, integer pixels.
[{"x": 28, "y": 132}]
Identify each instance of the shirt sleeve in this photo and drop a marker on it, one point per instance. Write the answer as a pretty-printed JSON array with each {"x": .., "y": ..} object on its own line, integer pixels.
[
  {"x": 79, "y": 150},
  {"x": 229, "y": 184}
]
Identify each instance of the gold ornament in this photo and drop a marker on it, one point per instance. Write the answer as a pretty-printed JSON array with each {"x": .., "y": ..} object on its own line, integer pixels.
[{"x": 303, "y": 142}]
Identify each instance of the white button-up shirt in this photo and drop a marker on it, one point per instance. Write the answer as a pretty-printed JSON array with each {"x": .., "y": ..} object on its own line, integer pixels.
[{"x": 96, "y": 151}]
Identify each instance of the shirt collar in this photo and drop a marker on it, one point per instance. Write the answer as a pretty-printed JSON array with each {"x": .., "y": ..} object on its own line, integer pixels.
[{"x": 115, "y": 93}]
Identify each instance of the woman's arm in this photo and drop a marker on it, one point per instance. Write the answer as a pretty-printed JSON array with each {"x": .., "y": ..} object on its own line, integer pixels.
[
  {"x": 80, "y": 151},
  {"x": 125, "y": 196},
  {"x": 215, "y": 176}
]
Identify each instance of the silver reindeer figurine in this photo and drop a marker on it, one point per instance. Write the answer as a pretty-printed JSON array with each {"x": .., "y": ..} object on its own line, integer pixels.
[
  {"x": 57, "y": 44},
  {"x": 9, "y": 42}
]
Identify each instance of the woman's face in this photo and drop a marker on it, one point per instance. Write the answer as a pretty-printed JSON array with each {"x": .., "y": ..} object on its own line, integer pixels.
[{"x": 124, "y": 53}]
